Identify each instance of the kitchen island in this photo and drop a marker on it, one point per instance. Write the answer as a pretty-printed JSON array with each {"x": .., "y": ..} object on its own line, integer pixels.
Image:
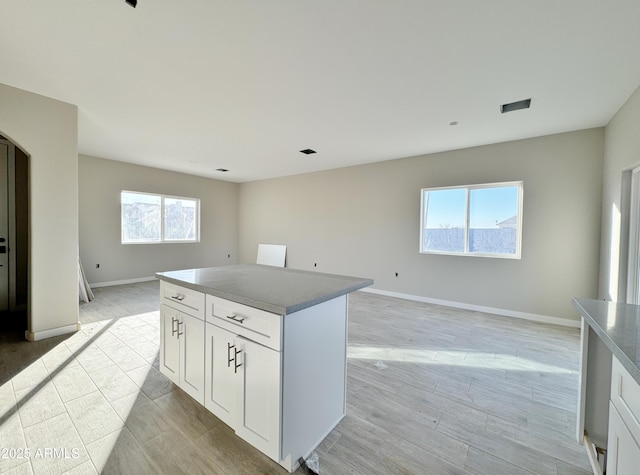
[
  {"x": 608, "y": 419},
  {"x": 263, "y": 348}
]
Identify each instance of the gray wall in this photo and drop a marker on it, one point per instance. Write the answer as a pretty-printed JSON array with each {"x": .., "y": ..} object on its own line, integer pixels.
[
  {"x": 100, "y": 184},
  {"x": 48, "y": 131},
  {"x": 364, "y": 221},
  {"x": 621, "y": 153}
]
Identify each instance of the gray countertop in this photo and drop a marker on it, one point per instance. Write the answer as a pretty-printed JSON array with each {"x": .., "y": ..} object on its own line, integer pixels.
[
  {"x": 618, "y": 326},
  {"x": 273, "y": 289}
]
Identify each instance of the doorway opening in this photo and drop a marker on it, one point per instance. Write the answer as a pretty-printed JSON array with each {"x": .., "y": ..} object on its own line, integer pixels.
[{"x": 14, "y": 237}]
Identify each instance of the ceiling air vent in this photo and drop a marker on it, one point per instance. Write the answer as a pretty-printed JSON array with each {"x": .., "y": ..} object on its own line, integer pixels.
[
  {"x": 515, "y": 106},
  {"x": 307, "y": 151}
]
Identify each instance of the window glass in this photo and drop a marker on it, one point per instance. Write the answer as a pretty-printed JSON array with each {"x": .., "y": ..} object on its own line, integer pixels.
[
  {"x": 148, "y": 218},
  {"x": 493, "y": 220},
  {"x": 480, "y": 220},
  {"x": 445, "y": 216},
  {"x": 141, "y": 218},
  {"x": 180, "y": 217}
]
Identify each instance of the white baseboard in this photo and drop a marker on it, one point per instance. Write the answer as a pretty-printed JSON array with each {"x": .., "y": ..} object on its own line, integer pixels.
[
  {"x": 565, "y": 322},
  {"x": 122, "y": 282},
  {"x": 35, "y": 336}
]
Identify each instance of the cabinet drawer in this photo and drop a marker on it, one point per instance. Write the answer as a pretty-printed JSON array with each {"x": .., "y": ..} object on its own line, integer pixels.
[
  {"x": 183, "y": 299},
  {"x": 252, "y": 323},
  {"x": 625, "y": 396}
]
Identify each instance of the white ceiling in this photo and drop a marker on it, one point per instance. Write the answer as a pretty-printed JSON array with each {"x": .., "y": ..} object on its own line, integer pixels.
[{"x": 196, "y": 85}]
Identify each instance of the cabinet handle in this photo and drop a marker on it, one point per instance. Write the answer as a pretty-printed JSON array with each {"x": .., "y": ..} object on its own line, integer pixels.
[
  {"x": 235, "y": 370},
  {"x": 229, "y": 359},
  {"x": 173, "y": 325},
  {"x": 178, "y": 297},
  {"x": 235, "y": 318},
  {"x": 179, "y": 332}
]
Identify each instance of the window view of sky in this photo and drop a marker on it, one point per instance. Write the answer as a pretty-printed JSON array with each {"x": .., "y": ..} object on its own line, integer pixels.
[
  {"x": 445, "y": 208},
  {"x": 488, "y": 206}
]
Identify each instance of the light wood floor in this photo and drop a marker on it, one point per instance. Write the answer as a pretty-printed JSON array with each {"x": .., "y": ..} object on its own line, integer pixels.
[{"x": 431, "y": 390}]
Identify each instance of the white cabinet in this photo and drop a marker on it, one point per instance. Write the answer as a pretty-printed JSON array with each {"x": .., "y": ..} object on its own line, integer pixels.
[
  {"x": 288, "y": 374},
  {"x": 191, "y": 338},
  {"x": 182, "y": 339},
  {"x": 220, "y": 374},
  {"x": 623, "y": 453},
  {"x": 258, "y": 395},
  {"x": 169, "y": 343},
  {"x": 243, "y": 371},
  {"x": 279, "y": 381},
  {"x": 242, "y": 388},
  {"x": 623, "y": 445},
  {"x": 185, "y": 300}
]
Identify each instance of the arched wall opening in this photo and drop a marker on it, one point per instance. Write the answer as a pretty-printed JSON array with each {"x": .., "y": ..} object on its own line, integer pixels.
[
  {"x": 47, "y": 129},
  {"x": 14, "y": 236}
]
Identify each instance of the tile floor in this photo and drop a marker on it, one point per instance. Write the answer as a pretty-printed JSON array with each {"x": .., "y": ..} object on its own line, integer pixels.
[
  {"x": 96, "y": 402},
  {"x": 431, "y": 390}
]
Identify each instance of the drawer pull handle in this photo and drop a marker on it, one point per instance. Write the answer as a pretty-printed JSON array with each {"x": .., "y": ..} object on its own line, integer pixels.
[
  {"x": 235, "y": 318},
  {"x": 229, "y": 359},
  {"x": 173, "y": 325},
  {"x": 235, "y": 370},
  {"x": 178, "y": 297},
  {"x": 179, "y": 332}
]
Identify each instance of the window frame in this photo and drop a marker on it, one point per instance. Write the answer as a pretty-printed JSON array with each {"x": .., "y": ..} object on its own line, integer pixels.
[
  {"x": 162, "y": 240},
  {"x": 468, "y": 188}
]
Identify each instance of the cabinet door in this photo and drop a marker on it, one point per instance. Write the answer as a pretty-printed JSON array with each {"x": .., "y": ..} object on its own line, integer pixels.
[
  {"x": 258, "y": 397},
  {"x": 191, "y": 336},
  {"x": 623, "y": 454},
  {"x": 220, "y": 373},
  {"x": 169, "y": 344}
]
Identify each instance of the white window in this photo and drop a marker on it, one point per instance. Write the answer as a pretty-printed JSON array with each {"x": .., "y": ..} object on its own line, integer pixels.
[
  {"x": 148, "y": 218},
  {"x": 478, "y": 220}
]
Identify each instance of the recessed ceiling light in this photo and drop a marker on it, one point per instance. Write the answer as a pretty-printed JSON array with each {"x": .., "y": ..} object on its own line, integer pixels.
[
  {"x": 221, "y": 170},
  {"x": 308, "y": 151},
  {"x": 514, "y": 106}
]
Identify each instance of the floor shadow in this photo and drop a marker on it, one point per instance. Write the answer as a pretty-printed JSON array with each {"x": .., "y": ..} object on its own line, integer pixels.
[{"x": 16, "y": 353}]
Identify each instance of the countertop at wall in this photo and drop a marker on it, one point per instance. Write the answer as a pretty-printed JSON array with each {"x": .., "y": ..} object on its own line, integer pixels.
[
  {"x": 273, "y": 289},
  {"x": 618, "y": 326}
]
